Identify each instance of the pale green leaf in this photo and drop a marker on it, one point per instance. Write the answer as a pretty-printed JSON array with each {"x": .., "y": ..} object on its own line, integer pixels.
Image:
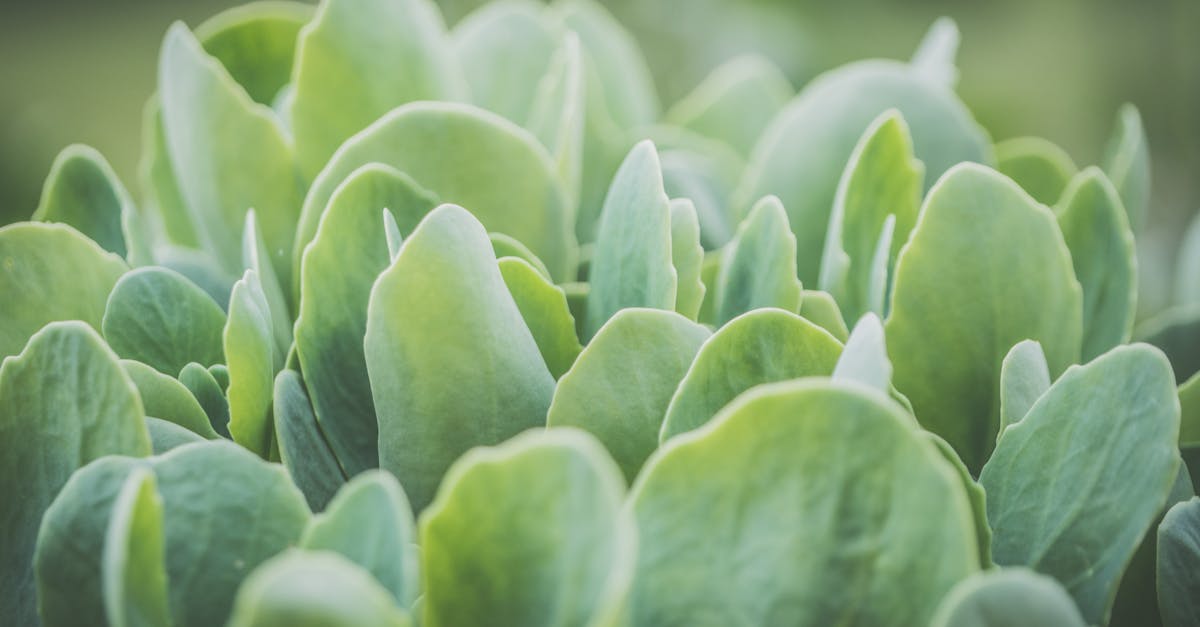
[
  {"x": 964, "y": 294},
  {"x": 1008, "y": 597},
  {"x": 881, "y": 182},
  {"x": 132, "y": 567},
  {"x": 763, "y": 346},
  {"x": 210, "y": 393},
  {"x": 1127, "y": 164},
  {"x": 339, "y": 267},
  {"x": 54, "y": 273},
  {"x": 710, "y": 271},
  {"x": 452, "y": 363},
  {"x": 253, "y": 360},
  {"x": 812, "y": 486},
  {"x": 505, "y": 49},
  {"x": 1106, "y": 433},
  {"x": 505, "y": 246},
  {"x": 83, "y": 191},
  {"x": 1024, "y": 378},
  {"x": 64, "y": 401},
  {"x": 687, "y": 257},
  {"x": 256, "y": 44},
  {"x": 619, "y": 388},
  {"x": 864, "y": 358},
  {"x": 255, "y": 257},
  {"x": 165, "y": 435},
  {"x": 303, "y": 448},
  {"x": 535, "y": 529},
  {"x": 1040, "y": 167},
  {"x": 735, "y": 102},
  {"x": 166, "y": 398},
  {"x": 804, "y": 150},
  {"x": 934, "y": 58},
  {"x": 822, "y": 310},
  {"x": 543, "y": 306},
  {"x": 1096, "y": 230},
  {"x": 557, "y": 115},
  {"x": 759, "y": 269},
  {"x": 160, "y": 318},
  {"x": 976, "y": 496}
]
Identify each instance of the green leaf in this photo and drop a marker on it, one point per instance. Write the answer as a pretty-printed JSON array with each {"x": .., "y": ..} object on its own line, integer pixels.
[
  {"x": 83, "y": 191},
  {"x": 452, "y": 363},
  {"x": 209, "y": 393},
  {"x": 706, "y": 173},
  {"x": 535, "y": 529},
  {"x": 632, "y": 265},
  {"x": 710, "y": 271},
  {"x": 55, "y": 273},
  {"x": 1106, "y": 432},
  {"x": 763, "y": 346},
  {"x": 302, "y": 446},
  {"x": 206, "y": 113},
  {"x": 735, "y": 102},
  {"x": 165, "y": 435},
  {"x": 976, "y": 497},
  {"x": 934, "y": 58},
  {"x": 1127, "y": 164},
  {"x": 543, "y": 306},
  {"x": 339, "y": 267},
  {"x": 687, "y": 257},
  {"x": 804, "y": 150},
  {"x": 506, "y": 178},
  {"x": 1102, "y": 247},
  {"x": 759, "y": 269},
  {"x": 557, "y": 115},
  {"x": 315, "y": 589},
  {"x": 964, "y": 294},
  {"x": 1040, "y": 167},
  {"x": 161, "y": 198},
  {"x": 160, "y": 318},
  {"x": 252, "y": 360},
  {"x": 822, "y": 310},
  {"x": 864, "y": 357},
  {"x": 166, "y": 398},
  {"x": 256, "y": 44},
  {"x": 505, "y": 49},
  {"x": 1008, "y": 597},
  {"x": 505, "y": 246},
  {"x": 1024, "y": 378},
  {"x": 619, "y": 388},
  {"x": 816, "y": 515},
  {"x": 133, "y": 570},
  {"x": 224, "y": 512},
  {"x": 881, "y": 182},
  {"x": 394, "y": 238},
  {"x": 256, "y": 257},
  {"x": 1179, "y": 564},
  {"x": 358, "y": 60},
  {"x": 370, "y": 522},
  {"x": 64, "y": 401}
]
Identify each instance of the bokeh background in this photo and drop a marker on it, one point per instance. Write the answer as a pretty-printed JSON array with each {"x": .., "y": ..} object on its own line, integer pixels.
[{"x": 80, "y": 71}]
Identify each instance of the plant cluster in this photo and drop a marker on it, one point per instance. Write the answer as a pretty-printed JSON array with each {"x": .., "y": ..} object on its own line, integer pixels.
[{"x": 410, "y": 325}]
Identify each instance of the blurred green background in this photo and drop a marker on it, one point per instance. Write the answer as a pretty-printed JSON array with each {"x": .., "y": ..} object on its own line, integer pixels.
[{"x": 78, "y": 71}]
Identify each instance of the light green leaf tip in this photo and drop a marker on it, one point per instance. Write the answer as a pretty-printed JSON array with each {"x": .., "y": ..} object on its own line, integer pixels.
[
  {"x": 1024, "y": 378},
  {"x": 632, "y": 265},
  {"x": 759, "y": 266},
  {"x": 934, "y": 58},
  {"x": 557, "y": 114},
  {"x": 132, "y": 563},
  {"x": 394, "y": 239},
  {"x": 864, "y": 358},
  {"x": 822, "y": 310},
  {"x": 461, "y": 369},
  {"x": 544, "y": 307},
  {"x": 83, "y": 191},
  {"x": 1040, "y": 167},
  {"x": 1127, "y": 163},
  {"x": 255, "y": 257}
]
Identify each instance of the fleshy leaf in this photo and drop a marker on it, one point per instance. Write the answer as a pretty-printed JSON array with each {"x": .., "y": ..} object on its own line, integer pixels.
[
  {"x": 452, "y": 363},
  {"x": 1008, "y": 597},
  {"x": 706, "y": 173},
  {"x": 802, "y": 153},
  {"x": 964, "y": 294},
  {"x": 1024, "y": 378},
  {"x": 507, "y": 178},
  {"x": 160, "y": 318},
  {"x": 339, "y": 267},
  {"x": 370, "y": 522},
  {"x": 557, "y": 114},
  {"x": 357, "y": 60},
  {"x": 302, "y": 446},
  {"x": 256, "y": 257},
  {"x": 1107, "y": 433},
  {"x": 505, "y": 48},
  {"x": 132, "y": 567},
  {"x": 976, "y": 496},
  {"x": 244, "y": 509},
  {"x": 687, "y": 257},
  {"x": 165, "y": 435},
  {"x": 762, "y": 346},
  {"x": 83, "y": 191},
  {"x": 864, "y": 358},
  {"x": 570, "y": 564},
  {"x": 543, "y": 306},
  {"x": 934, "y": 58},
  {"x": 166, "y": 398},
  {"x": 822, "y": 310},
  {"x": 619, "y": 388},
  {"x": 256, "y": 44},
  {"x": 838, "y": 488},
  {"x": 1127, "y": 164},
  {"x": 632, "y": 264},
  {"x": 209, "y": 393},
  {"x": 1040, "y": 167},
  {"x": 1179, "y": 565},
  {"x": 759, "y": 266},
  {"x": 505, "y": 246},
  {"x": 204, "y": 112},
  {"x": 882, "y": 180},
  {"x": 253, "y": 360},
  {"x": 735, "y": 102},
  {"x": 314, "y": 588},
  {"x": 64, "y": 401},
  {"x": 54, "y": 273},
  {"x": 1096, "y": 230}
]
